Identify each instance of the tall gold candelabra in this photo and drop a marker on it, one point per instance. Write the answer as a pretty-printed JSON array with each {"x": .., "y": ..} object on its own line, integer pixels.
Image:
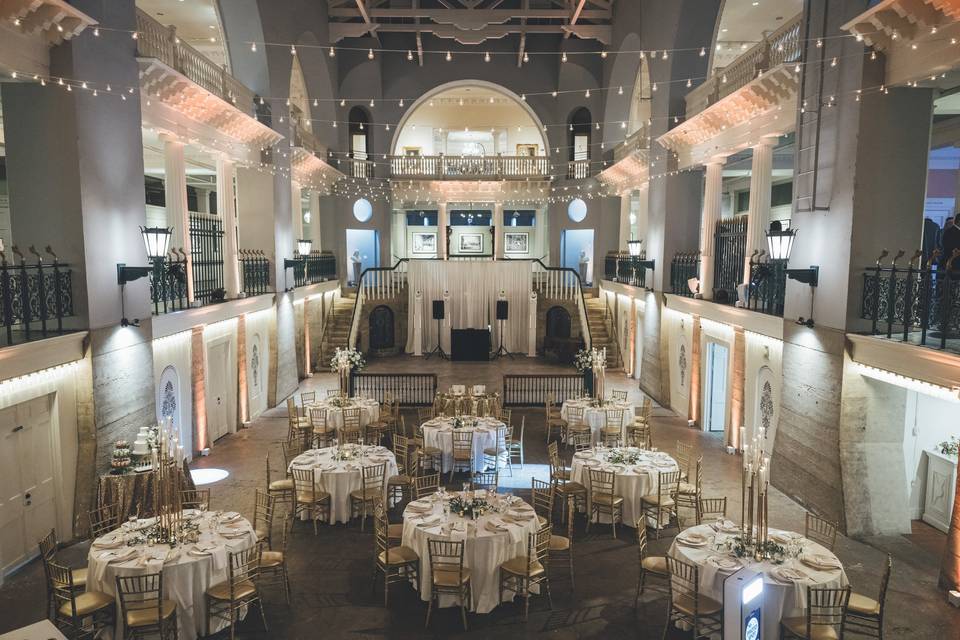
[
  {"x": 167, "y": 456},
  {"x": 754, "y": 489},
  {"x": 598, "y": 361}
]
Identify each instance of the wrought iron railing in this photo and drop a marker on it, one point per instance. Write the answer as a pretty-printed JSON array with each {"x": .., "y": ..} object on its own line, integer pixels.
[
  {"x": 441, "y": 167},
  {"x": 317, "y": 267},
  {"x": 206, "y": 248},
  {"x": 410, "y": 389},
  {"x": 768, "y": 284},
  {"x": 729, "y": 250},
  {"x": 531, "y": 390},
  {"x": 36, "y": 297},
  {"x": 620, "y": 266},
  {"x": 168, "y": 283},
  {"x": 254, "y": 272},
  {"x": 913, "y": 299},
  {"x": 683, "y": 267}
]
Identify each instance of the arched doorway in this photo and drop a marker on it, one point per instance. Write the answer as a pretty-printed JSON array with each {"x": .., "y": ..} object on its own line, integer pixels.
[
  {"x": 578, "y": 143},
  {"x": 558, "y": 343},
  {"x": 382, "y": 334},
  {"x": 361, "y": 142}
]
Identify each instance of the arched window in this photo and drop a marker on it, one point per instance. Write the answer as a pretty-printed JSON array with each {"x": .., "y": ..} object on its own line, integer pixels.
[
  {"x": 578, "y": 134},
  {"x": 361, "y": 142}
]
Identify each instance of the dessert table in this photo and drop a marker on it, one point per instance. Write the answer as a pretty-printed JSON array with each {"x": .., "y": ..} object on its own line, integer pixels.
[
  {"x": 337, "y": 470},
  {"x": 369, "y": 410},
  {"x": 438, "y": 433},
  {"x": 805, "y": 563},
  {"x": 636, "y": 474},
  {"x": 596, "y": 417},
  {"x": 500, "y": 534},
  {"x": 189, "y": 568}
]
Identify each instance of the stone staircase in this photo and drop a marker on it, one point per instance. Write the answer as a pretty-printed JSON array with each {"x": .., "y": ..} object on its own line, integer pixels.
[
  {"x": 598, "y": 331},
  {"x": 337, "y": 331}
]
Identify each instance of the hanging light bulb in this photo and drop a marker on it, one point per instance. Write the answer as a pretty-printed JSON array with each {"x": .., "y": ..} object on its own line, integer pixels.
[
  {"x": 370, "y": 54},
  {"x": 253, "y": 47},
  {"x": 96, "y": 32},
  {"x": 293, "y": 50},
  {"x": 620, "y": 91},
  {"x": 563, "y": 58},
  {"x": 401, "y": 103},
  {"x": 689, "y": 83},
  {"x": 343, "y": 102},
  {"x": 623, "y": 125},
  {"x": 449, "y": 57},
  {"x": 315, "y": 102},
  {"x": 665, "y": 55},
  {"x": 135, "y": 35},
  {"x": 554, "y": 93},
  {"x": 332, "y": 53},
  {"x": 654, "y": 86},
  {"x": 523, "y": 97},
  {"x": 371, "y": 103},
  {"x": 587, "y": 94},
  {"x": 361, "y": 126},
  {"x": 409, "y": 54},
  {"x": 703, "y": 52},
  {"x": 486, "y": 57},
  {"x": 526, "y": 58}
]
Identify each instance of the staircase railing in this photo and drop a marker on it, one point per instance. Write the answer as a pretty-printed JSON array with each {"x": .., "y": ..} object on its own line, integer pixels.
[
  {"x": 376, "y": 283},
  {"x": 562, "y": 283},
  {"x": 611, "y": 326}
]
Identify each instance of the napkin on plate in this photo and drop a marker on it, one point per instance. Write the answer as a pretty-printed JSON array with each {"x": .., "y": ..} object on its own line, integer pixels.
[
  {"x": 789, "y": 574},
  {"x": 494, "y": 527},
  {"x": 692, "y": 539},
  {"x": 724, "y": 563},
  {"x": 820, "y": 561}
]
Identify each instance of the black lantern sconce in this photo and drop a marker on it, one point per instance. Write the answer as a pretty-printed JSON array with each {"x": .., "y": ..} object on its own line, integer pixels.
[
  {"x": 156, "y": 241},
  {"x": 298, "y": 261}
]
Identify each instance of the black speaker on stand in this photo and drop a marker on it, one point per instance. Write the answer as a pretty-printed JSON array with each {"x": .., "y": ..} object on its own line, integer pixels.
[
  {"x": 502, "y": 313},
  {"x": 438, "y": 313}
]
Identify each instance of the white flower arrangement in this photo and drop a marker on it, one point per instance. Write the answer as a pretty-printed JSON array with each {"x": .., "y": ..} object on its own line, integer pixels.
[
  {"x": 590, "y": 359},
  {"x": 346, "y": 359}
]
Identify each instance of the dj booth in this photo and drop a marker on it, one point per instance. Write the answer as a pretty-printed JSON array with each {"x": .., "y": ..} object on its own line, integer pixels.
[{"x": 470, "y": 345}]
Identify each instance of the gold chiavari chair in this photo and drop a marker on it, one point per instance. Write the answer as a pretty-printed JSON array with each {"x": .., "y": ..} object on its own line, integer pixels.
[
  {"x": 348, "y": 436},
  {"x": 48, "y": 553},
  {"x": 553, "y": 420},
  {"x": 655, "y": 566},
  {"x": 566, "y": 489},
  {"x": 281, "y": 489},
  {"x": 143, "y": 608},
  {"x": 226, "y": 600},
  {"x": 399, "y": 486},
  {"x": 290, "y": 451},
  {"x": 864, "y": 614},
  {"x": 264, "y": 506},
  {"x": 638, "y": 434},
  {"x": 603, "y": 499},
  {"x": 104, "y": 520},
  {"x": 505, "y": 416},
  {"x": 462, "y": 450},
  {"x": 351, "y": 422},
  {"x": 553, "y": 455},
  {"x": 333, "y": 393},
  {"x": 428, "y": 454},
  {"x": 686, "y": 604},
  {"x": 713, "y": 508},
  {"x": 295, "y": 421},
  {"x": 311, "y": 500},
  {"x": 542, "y": 495},
  {"x": 323, "y": 434},
  {"x": 689, "y": 493},
  {"x": 561, "y": 547},
  {"x": 307, "y": 397},
  {"x": 488, "y": 480},
  {"x": 396, "y": 563},
  {"x": 612, "y": 432},
  {"x": 494, "y": 404},
  {"x": 576, "y": 422},
  {"x": 273, "y": 563},
  {"x": 425, "y": 414},
  {"x": 496, "y": 455},
  {"x": 581, "y": 442},
  {"x": 826, "y": 615},
  {"x": 515, "y": 445},
  {"x": 521, "y": 573},
  {"x": 821, "y": 531},
  {"x": 646, "y": 410},
  {"x": 79, "y": 613},
  {"x": 195, "y": 499},
  {"x": 375, "y": 429},
  {"x": 364, "y": 499},
  {"x": 448, "y": 576},
  {"x": 618, "y": 395},
  {"x": 660, "y": 504},
  {"x": 427, "y": 485},
  {"x": 682, "y": 456}
]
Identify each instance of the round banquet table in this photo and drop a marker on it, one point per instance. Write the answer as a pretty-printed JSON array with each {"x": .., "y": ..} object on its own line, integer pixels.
[
  {"x": 632, "y": 481},
  {"x": 491, "y": 540},
  {"x": 783, "y": 597},
  {"x": 340, "y": 477},
  {"x": 369, "y": 410},
  {"x": 438, "y": 432},
  {"x": 189, "y": 569},
  {"x": 596, "y": 417}
]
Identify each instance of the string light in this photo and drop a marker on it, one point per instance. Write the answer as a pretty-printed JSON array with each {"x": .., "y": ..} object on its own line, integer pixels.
[
  {"x": 563, "y": 58},
  {"x": 603, "y": 54},
  {"x": 409, "y": 55},
  {"x": 703, "y": 52},
  {"x": 293, "y": 50},
  {"x": 587, "y": 93},
  {"x": 486, "y": 57},
  {"x": 526, "y": 58},
  {"x": 332, "y": 53},
  {"x": 449, "y": 57},
  {"x": 620, "y": 91},
  {"x": 370, "y": 54}
]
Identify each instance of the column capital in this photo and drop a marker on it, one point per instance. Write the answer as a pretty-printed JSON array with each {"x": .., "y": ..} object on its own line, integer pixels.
[
  {"x": 720, "y": 159},
  {"x": 168, "y": 137},
  {"x": 767, "y": 141}
]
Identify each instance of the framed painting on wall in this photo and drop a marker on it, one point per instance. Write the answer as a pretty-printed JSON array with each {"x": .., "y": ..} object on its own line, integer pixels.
[
  {"x": 424, "y": 242},
  {"x": 471, "y": 243},
  {"x": 516, "y": 242},
  {"x": 528, "y": 149}
]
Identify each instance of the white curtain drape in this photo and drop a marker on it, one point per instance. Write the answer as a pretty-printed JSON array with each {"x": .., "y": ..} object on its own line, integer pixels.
[{"x": 473, "y": 289}]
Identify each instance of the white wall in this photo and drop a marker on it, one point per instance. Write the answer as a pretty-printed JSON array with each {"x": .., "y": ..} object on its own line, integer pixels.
[
  {"x": 258, "y": 335},
  {"x": 764, "y": 364},
  {"x": 928, "y": 421},
  {"x": 175, "y": 351}
]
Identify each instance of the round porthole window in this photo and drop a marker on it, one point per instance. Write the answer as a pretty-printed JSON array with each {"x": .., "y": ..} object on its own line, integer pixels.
[
  {"x": 577, "y": 210},
  {"x": 362, "y": 210}
]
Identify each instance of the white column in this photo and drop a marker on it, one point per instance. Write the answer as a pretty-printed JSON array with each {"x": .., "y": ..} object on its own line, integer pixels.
[
  {"x": 175, "y": 194},
  {"x": 227, "y": 208},
  {"x": 296, "y": 209},
  {"x": 761, "y": 180},
  {"x": 442, "y": 230},
  {"x": 203, "y": 201},
  {"x": 315, "y": 232},
  {"x": 624, "y": 220},
  {"x": 712, "y": 196},
  {"x": 498, "y": 229}
]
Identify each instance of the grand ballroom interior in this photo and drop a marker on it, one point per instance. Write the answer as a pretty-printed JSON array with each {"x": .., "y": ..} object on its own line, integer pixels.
[{"x": 479, "y": 318}]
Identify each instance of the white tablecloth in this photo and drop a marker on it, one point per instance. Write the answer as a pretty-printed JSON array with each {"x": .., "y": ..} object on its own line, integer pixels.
[
  {"x": 484, "y": 550},
  {"x": 187, "y": 573},
  {"x": 439, "y": 433},
  {"x": 781, "y": 598},
  {"x": 369, "y": 411},
  {"x": 632, "y": 481},
  {"x": 340, "y": 477},
  {"x": 596, "y": 417}
]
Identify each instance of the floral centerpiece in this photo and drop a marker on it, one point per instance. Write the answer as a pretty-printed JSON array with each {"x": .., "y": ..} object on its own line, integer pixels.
[
  {"x": 465, "y": 508},
  {"x": 950, "y": 447},
  {"x": 458, "y": 423},
  {"x": 346, "y": 452},
  {"x": 342, "y": 363},
  {"x": 186, "y": 531},
  {"x": 338, "y": 402},
  {"x": 623, "y": 456},
  {"x": 766, "y": 550}
]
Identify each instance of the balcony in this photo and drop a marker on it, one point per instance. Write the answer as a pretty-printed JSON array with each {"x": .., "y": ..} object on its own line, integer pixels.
[
  {"x": 620, "y": 266},
  {"x": 631, "y": 162},
  {"x": 443, "y": 167},
  {"x": 36, "y": 296},
  {"x": 683, "y": 267}
]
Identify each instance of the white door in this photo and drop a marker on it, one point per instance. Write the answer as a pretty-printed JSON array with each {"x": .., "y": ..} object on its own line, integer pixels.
[
  {"x": 716, "y": 398},
  {"x": 217, "y": 378},
  {"x": 28, "y": 496}
]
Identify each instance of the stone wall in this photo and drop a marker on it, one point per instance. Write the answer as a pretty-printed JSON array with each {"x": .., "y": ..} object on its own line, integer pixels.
[
  {"x": 398, "y": 305},
  {"x": 544, "y": 305}
]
